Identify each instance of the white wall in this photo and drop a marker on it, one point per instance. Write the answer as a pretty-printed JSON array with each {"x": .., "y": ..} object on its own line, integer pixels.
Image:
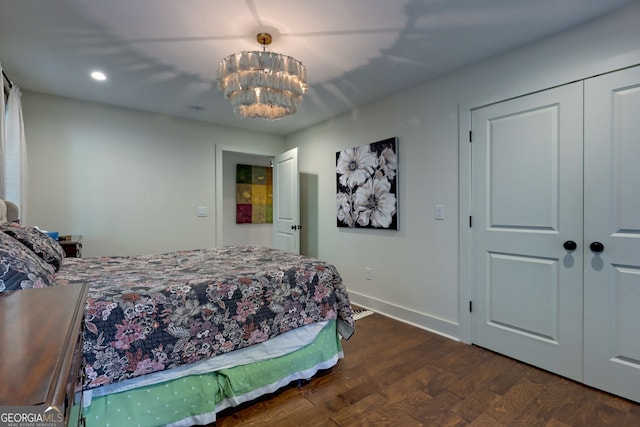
[
  {"x": 416, "y": 271},
  {"x": 128, "y": 181},
  {"x": 241, "y": 234}
]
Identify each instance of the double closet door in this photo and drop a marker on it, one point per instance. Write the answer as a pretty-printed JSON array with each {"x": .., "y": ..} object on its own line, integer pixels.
[{"x": 555, "y": 240}]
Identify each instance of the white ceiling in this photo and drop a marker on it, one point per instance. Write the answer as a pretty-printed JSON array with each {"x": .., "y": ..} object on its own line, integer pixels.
[{"x": 161, "y": 55}]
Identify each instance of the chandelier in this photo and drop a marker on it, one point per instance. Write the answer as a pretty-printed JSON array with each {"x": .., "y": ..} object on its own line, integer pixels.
[{"x": 262, "y": 84}]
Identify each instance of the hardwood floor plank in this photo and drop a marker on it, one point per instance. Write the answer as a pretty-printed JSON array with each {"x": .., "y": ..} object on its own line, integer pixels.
[
  {"x": 362, "y": 413},
  {"x": 514, "y": 402},
  {"x": 486, "y": 421},
  {"x": 435, "y": 410},
  {"x": 556, "y": 423},
  {"x": 476, "y": 404},
  {"x": 436, "y": 382},
  {"x": 538, "y": 413}
]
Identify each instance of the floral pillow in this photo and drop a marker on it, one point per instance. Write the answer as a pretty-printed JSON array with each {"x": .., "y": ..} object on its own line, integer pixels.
[
  {"x": 42, "y": 245},
  {"x": 20, "y": 268}
]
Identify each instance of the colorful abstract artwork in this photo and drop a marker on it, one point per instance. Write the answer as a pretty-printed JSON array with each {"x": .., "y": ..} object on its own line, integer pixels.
[
  {"x": 254, "y": 194},
  {"x": 367, "y": 181}
]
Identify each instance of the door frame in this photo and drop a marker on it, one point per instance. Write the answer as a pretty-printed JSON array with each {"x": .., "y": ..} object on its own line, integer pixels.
[
  {"x": 465, "y": 291},
  {"x": 220, "y": 150}
]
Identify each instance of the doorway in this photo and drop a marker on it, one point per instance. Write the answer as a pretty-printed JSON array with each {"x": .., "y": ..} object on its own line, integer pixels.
[
  {"x": 227, "y": 231},
  {"x": 234, "y": 234},
  {"x": 285, "y": 230}
]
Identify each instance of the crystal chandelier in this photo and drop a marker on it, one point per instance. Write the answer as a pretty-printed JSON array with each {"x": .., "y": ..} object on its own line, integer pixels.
[{"x": 262, "y": 84}]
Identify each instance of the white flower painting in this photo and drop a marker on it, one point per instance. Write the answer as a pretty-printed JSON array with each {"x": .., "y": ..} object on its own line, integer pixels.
[{"x": 367, "y": 185}]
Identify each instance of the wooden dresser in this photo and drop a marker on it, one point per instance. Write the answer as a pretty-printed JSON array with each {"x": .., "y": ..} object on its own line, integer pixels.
[{"x": 41, "y": 348}]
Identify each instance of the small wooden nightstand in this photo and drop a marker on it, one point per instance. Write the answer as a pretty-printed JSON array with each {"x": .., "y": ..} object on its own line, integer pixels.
[{"x": 72, "y": 247}]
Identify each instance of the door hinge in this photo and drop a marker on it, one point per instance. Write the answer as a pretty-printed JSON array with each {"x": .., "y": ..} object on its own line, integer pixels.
[
  {"x": 470, "y": 136},
  {"x": 470, "y": 221},
  {"x": 470, "y": 306}
]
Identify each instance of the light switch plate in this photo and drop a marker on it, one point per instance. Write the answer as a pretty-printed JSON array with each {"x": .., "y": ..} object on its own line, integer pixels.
[
  {"x": 202, "y": 211},
  {"x": 439, "y": 212}
]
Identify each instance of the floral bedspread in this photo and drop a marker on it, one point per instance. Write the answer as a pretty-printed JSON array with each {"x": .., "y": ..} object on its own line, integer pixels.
[{"x": 149, "y": 313}]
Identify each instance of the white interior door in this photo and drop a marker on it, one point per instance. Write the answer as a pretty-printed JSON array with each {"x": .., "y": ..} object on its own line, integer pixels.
[
  {"x": 612, "y": 217},
  {"x": 526, "y": 203},
  {"x": 286, "y": 204}
]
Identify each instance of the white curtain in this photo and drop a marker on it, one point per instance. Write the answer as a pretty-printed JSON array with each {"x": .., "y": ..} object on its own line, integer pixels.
[
  {"x": 16, "y": 153},
  {"x": 2, "y": 143}
]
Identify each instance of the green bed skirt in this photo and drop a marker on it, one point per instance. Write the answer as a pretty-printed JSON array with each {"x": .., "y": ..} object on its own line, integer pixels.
[{"x": 193, "y": 399}]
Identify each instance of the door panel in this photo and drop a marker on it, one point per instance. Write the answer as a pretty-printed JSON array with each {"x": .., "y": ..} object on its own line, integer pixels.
[
  {"x": 522, "y": 147},
  {"x": 537, "y": 280},
  {"x": 286, "y": 208},
  {"x": 612, "y": 217},
  {"x": 527, "y": 200}
]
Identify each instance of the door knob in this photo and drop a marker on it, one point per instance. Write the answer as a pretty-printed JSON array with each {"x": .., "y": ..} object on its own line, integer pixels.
[
  {"x": 570, "y": 245},
  {"x": 596, "y": 247}
]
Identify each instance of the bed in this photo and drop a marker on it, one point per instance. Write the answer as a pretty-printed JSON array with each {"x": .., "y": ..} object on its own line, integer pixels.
[{"x": 173, "y": 339}]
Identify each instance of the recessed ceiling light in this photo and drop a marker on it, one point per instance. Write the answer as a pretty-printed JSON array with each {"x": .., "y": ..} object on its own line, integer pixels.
[{"x": 98, "y": 75}]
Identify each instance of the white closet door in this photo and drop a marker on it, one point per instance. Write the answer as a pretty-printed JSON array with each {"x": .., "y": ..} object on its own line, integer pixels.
[
  {"x": 527, "y": 202},
  {"x": 612, "y": 218}
]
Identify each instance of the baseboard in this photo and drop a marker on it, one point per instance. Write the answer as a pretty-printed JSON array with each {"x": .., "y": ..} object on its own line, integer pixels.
[{"x": 423, "y": 321}]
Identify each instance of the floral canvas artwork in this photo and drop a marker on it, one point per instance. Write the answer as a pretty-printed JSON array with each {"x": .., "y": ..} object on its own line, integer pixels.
[{"x": 367, "y": 177}]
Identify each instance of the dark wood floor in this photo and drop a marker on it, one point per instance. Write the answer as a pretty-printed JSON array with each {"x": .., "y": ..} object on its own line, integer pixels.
[{"x": 398, "y": 375}]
